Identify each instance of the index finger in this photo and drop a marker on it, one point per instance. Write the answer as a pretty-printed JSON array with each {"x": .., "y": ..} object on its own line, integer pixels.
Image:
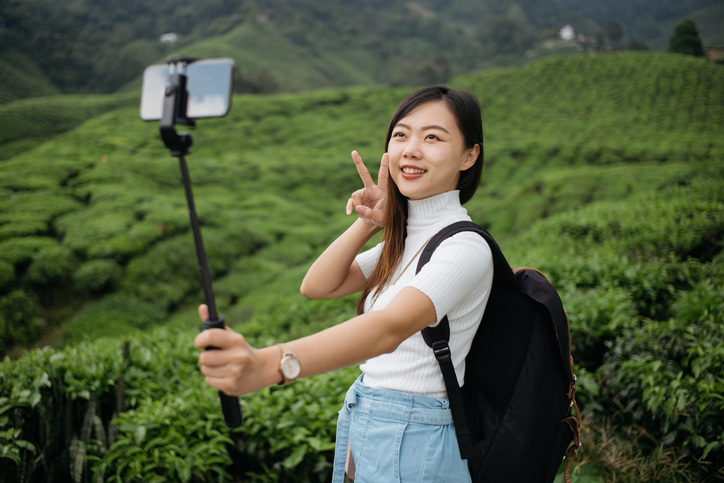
[
  {"x": 215, "y": 338},
  {"x": 362, "y": 170}
]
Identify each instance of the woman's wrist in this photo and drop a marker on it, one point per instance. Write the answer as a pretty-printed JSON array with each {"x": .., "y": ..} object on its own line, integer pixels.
[
  {"x": 271, "y": 358},
  {"x": 366, "y": 228}
]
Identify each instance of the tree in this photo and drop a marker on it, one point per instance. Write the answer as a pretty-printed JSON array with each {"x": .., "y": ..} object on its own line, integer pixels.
[
  {"x": 614, "y": 34},
  {"x": 686, "y": 39}
]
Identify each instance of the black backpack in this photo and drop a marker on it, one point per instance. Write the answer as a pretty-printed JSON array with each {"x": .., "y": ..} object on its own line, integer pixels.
[{"x": 513, "y": 415}]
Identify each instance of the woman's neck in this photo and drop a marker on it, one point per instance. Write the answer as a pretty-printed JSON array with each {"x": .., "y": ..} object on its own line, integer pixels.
[{"x": 434, "y": 210}]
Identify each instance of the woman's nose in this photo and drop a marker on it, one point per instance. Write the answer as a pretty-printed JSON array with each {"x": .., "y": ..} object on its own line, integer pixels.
[{"x": 412, "y": 149}]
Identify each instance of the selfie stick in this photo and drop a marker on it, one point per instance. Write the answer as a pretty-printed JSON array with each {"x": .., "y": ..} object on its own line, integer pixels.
[{"x": 174, "y": 112}]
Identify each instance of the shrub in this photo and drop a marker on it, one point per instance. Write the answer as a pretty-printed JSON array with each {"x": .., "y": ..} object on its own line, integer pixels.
[
  {"x": 97, "y": 276},
  {"x": 7, "y": 274},
  {"x": 165, "y": 274},
  {"x": 597, "y": 317},
  {"x": 133, "y": 241},
  {"x": 20, "y": 251},
  {"x": 52, "y": 403},
  {"x": 116, "y": 315},
  {"x": 166, "y": 440},
  {"x": 18, "y": 320},
  {"x": 670, "y": 375},
  {"x": 51, "y": 265},
  {"x": 21, "y": 224}
]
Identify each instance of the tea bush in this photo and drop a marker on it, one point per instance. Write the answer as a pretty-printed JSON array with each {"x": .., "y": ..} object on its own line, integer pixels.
[
  {"x": 670, "y": 374},
  {"x": 7, "y": 275},
  {"x": 646, "y": 311},
  {"x": 20, "y": 251},
  {"x": 97, "y": 276},
  {"x": 142, "y": 413},
  {"x": 18, "y": 319},
  {"x": 51, "y": 265},
  {"x": 614, "y": 192},
  {"x": 116, "y": 315}
]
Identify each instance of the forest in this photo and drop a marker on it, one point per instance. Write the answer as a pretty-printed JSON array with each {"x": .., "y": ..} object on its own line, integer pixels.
[
  {"x": 100, "y": 46},
  {"x": 614, "y": 190}
]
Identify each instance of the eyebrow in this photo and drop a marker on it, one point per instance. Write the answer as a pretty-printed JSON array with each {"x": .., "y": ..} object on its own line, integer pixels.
[{"x": 425, "y": 128}]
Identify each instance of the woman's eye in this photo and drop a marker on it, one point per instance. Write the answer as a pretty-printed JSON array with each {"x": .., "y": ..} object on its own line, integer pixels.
[
  {"x": 432, "y": 136},
  {"x": 398, "y": 134}
]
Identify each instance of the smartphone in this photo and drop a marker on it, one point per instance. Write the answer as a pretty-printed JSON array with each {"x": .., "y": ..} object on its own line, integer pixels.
[{"x": 209, "y": 84}]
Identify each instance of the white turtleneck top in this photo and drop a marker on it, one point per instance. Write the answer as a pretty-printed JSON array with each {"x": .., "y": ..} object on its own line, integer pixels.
[{"x": 457, "y": 280}]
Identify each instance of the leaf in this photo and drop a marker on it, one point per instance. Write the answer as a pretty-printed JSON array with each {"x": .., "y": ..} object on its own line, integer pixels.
[
  {"x": 293, "y": 460},
  {"x": 139, "y": 434}
]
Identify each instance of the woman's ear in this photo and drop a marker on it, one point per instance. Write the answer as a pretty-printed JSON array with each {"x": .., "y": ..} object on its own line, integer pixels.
[{"x": 472, "y": 156}]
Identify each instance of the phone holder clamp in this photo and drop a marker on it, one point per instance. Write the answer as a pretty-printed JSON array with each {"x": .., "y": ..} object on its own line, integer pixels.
[{"x": 174, "y": 108}]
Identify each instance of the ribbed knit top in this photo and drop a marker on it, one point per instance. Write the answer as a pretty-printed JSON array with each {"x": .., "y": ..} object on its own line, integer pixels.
[{"x": 457, "y": 280}]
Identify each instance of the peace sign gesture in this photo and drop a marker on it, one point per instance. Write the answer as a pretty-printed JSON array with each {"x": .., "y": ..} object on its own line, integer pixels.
[{"x": 370, "y": 202}]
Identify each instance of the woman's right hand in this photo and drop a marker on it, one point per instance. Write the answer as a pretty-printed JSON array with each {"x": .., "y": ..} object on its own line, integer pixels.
[
  {"x": 235, "y": 367},
  {"x": 370, "y": 202}
]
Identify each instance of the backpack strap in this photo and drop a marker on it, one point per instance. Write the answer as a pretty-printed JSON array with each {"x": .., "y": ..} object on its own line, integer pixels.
[
  {"x": 537, "y": 288},
  {"x": 438, "y": 337},
  {"x": 502, "y": 271}
]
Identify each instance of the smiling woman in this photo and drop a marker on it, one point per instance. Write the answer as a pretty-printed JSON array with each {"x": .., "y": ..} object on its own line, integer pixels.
[
  {"x": 432, "y": 165},
  {"x": 428, "y": 153}
]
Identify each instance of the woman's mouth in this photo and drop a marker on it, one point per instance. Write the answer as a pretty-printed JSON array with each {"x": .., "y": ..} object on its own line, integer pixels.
[
  {"x": 413, "y": 171},
  {"x": 408, "y": 172}
]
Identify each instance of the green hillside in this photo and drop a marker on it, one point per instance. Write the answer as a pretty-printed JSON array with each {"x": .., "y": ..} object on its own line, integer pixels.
[
  {"x": 22, "y": 78},
  {"x": 98, "y": 46},
  {"x": 605, "y": 171}
]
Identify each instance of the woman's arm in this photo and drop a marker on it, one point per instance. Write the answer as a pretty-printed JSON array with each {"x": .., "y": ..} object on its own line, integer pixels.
[
  {"x": 236, "y": 368},
  {"x": 335, "y": 273}
]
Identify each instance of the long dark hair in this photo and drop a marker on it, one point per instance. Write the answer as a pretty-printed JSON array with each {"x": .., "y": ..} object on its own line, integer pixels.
[{"x": 464, "y": 106}]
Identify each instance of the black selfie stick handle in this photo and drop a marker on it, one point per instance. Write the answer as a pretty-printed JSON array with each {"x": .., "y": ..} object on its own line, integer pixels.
[{"x": 229, "y": 405}]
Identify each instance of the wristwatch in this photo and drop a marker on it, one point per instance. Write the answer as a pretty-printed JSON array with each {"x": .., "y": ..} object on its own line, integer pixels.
[{"x": 289, "y": 365}]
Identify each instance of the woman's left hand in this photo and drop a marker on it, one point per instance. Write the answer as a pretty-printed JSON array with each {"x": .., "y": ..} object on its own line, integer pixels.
[{"x": 370, "y": 202}]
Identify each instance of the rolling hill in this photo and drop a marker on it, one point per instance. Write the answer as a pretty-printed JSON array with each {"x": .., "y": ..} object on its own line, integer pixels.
[
  {"x": 605, "y": 171},
  {"x": 98, "y": 211}
]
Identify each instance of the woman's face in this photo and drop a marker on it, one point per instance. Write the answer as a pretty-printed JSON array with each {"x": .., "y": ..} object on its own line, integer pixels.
[{"x": 427, "y": 152}]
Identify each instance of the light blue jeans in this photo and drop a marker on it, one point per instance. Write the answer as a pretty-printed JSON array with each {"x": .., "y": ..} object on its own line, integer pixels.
[{"x": 397, "y": 437}]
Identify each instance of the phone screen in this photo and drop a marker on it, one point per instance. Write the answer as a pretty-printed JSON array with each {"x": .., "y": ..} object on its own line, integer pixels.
[{"x": 209, "y": 84}]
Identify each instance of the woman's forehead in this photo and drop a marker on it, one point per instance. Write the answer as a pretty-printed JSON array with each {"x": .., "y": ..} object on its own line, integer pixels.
[
  {"x": 432, "y": 110},
  {"x": 431, "y": 114}
]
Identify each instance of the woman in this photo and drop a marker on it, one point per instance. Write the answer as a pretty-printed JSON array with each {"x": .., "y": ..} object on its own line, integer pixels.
[{"x": 396, "y": 424}]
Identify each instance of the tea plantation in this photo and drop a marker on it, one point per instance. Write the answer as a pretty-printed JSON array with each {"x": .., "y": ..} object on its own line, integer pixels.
[{"x": 604, "y": 171}]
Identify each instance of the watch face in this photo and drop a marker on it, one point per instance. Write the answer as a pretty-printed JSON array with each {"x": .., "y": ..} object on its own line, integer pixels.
[{"x": 291, "y": 367}]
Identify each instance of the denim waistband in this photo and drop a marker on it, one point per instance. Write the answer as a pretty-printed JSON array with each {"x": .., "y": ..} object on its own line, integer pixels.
[{"x": 388, "y": 404}]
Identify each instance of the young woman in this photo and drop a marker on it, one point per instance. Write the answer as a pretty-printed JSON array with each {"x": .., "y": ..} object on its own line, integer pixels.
[{"x": 396, "y": 424}]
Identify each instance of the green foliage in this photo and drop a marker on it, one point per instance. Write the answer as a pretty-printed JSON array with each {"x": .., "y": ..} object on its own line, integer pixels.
[
  {"x": 21, "y": 251},
  {"x": 97, "y": 276},
  {"x": 165, "y": 274},
  {"x": 641, "y": 282},
  {"x": 57, "y": 401},
  {"x": 614, "y": 192},
  {"x": 141, "y": 412},
  {"x": 51, "y": 265},
  {"x": 18, "y": 319},
  {"x": 686, "y": 39},
  {"x": 41, "y": 118},
  {"x": 671, "y": 374},
  {"x": 7, "y": 275},
  {"x": 116, "y": 315},
  {"x": 150, "y": 449},
  {"x": 22, "y": 78}
]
